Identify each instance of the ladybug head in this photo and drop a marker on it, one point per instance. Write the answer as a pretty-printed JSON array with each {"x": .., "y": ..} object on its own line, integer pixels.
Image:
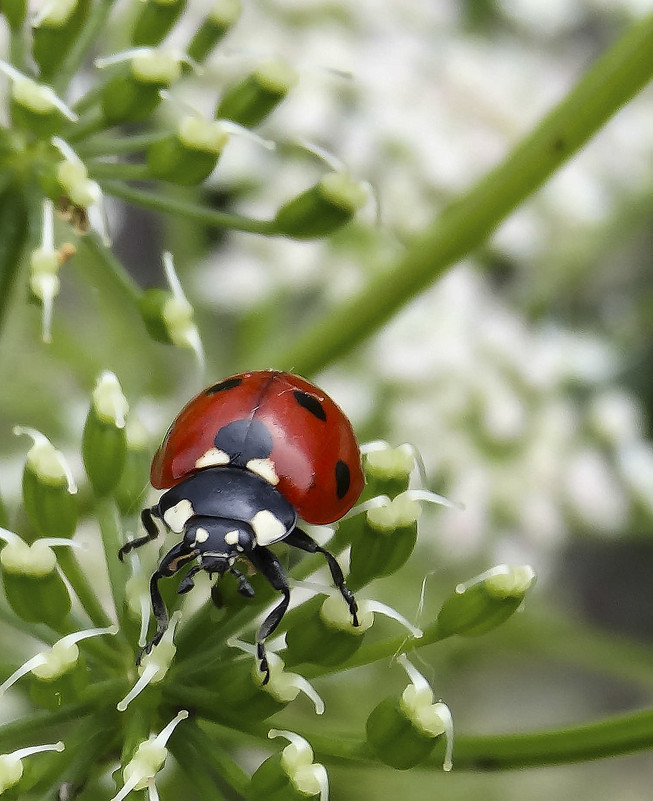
[{"x": 218, "y": 542}]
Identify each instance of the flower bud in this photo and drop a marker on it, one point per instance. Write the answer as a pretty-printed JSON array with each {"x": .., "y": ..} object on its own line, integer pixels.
[
  {"x": 48, "y": 488},
  {"x": 387, "y": 540},
  {"x": 104, "y": 440},
  {"x": 54, "y": 31},
  {"x": 34, "y": 589},
  {"x": 58, "y": 674},
  {"x": 76, "y": 185},
  {"x": 36, "y": 107},
  {"x": 403, "y": 731},
  {"x": 11, "y": 765},
  {"x": 324, "y": 633},
  {"x": 133, "y": 480},
  {"x": 148, "y": 760},
  {"x": 387, "y": 470},
  {"x": 249, "y": 102},
  {"x": 220, "y": 20},
  {"x": 291, "y": 775},
  {"x": 323, "y": 208},
  {"x": 190, "y": 155},
  {"x": 242, "y": 690},
  {"x": 133, "y": 94},
  {"x": 168, "y": 315},
  {"x": 155, "y": 20},
  {"x": 155, "y": 664},
  {"x": 486, "y": 601}
]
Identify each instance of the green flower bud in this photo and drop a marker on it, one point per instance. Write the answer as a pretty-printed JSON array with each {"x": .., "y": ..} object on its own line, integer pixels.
[
  {"x": 33, "y": 587},
  {"x": 133, "y": 480},
  {"x": 148, "y": 760},
  {"x": 15, "y": 12},
  {"x": 11, "y": 766},
  {"x": 323, "y": 208},
  {"x": 387, "y": 540},
  {"x": 221, "y": 19},
  {"x": 55, "y": 30},
  {"x": 168, "y": 315},
  {"x": 249, "y": 102},
  {"x": 485, "y": 602},
  {"x": 324, "y": 634},
  {"x": 190, "y": 155},
  {"x": 242, "y": 691},
  {"x": 132, "y": 95},
  {"x": 104, "y": 440},
  {"x": 155, "y": 21},
  {"x": 155, "y": 664},
  {"x": 291, "y": 775},
  {"x": 387, "y": 470},
  {"x": 36, "y": 107},
  {"x": 403, "y": 731},
  {"x": 48, "y": 488},
  {"x": 75, "y": 184}
]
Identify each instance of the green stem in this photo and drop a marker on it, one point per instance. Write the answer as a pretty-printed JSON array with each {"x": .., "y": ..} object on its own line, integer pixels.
[
  {"x": 113, "y": 266},
  {"x": 613, "y": 80},
  {"x": 30, "y": 727},
  {"x": 194, "y": 211},
  {"x": 117, "y": 146},
  {"x": 93, "y": 122},
  {"x": 622, "y": 734},
  {"x": 83, "y": 590},
  {"x": 17, "y": 48},
  {"x": 93, "y": 26},
  {"x": 13, "y": 235},
  {"x": 121, "y": 171},
  {"x": 112, "y": 539},
  {"x": 190, "y": 741}
]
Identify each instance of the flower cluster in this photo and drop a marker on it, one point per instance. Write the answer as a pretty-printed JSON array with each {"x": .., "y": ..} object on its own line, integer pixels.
[{"x": 89, "y": 682}]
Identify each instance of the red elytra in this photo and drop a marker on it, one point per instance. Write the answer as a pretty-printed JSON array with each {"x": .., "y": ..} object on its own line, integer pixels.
[{"x": 314, "y": 449}]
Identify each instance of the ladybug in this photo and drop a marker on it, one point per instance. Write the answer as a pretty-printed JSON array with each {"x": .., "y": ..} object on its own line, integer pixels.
[{"x": 241, "y": 463}]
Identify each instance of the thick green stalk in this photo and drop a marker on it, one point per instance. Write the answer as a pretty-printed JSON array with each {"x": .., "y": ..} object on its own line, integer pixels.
[
  {"x": 622, "y": 734},
  {"x": 613, "y": 80}
]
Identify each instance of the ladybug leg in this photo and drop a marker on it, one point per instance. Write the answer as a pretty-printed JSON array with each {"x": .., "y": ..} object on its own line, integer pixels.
[
  {"x": 147, "y": 519},
  {"x": 268, "y": 564},
  {"x": 173, "y": 561},
  {"x": 244, "y": 587},
  {"x": 301, "y": 540}
]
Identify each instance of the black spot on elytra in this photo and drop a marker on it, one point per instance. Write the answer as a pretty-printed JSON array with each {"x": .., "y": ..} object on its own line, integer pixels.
[
  {"x": 310, "y": 403},
  {"x": 343, "y": 478},
  {"x": 244, "y": 440},
  {"x": 228, "y": 383}
]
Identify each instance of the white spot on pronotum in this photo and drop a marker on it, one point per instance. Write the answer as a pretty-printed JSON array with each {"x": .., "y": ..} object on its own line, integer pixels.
[
  {"x": 265, "y": 469},
  {"x": 231, "y": 537},
  {"x": 176, "y": 516},
  {"x": 267, "y": 527},
  {"x": 214, "y": 457},
  {"x": 201, "y": 535}
]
